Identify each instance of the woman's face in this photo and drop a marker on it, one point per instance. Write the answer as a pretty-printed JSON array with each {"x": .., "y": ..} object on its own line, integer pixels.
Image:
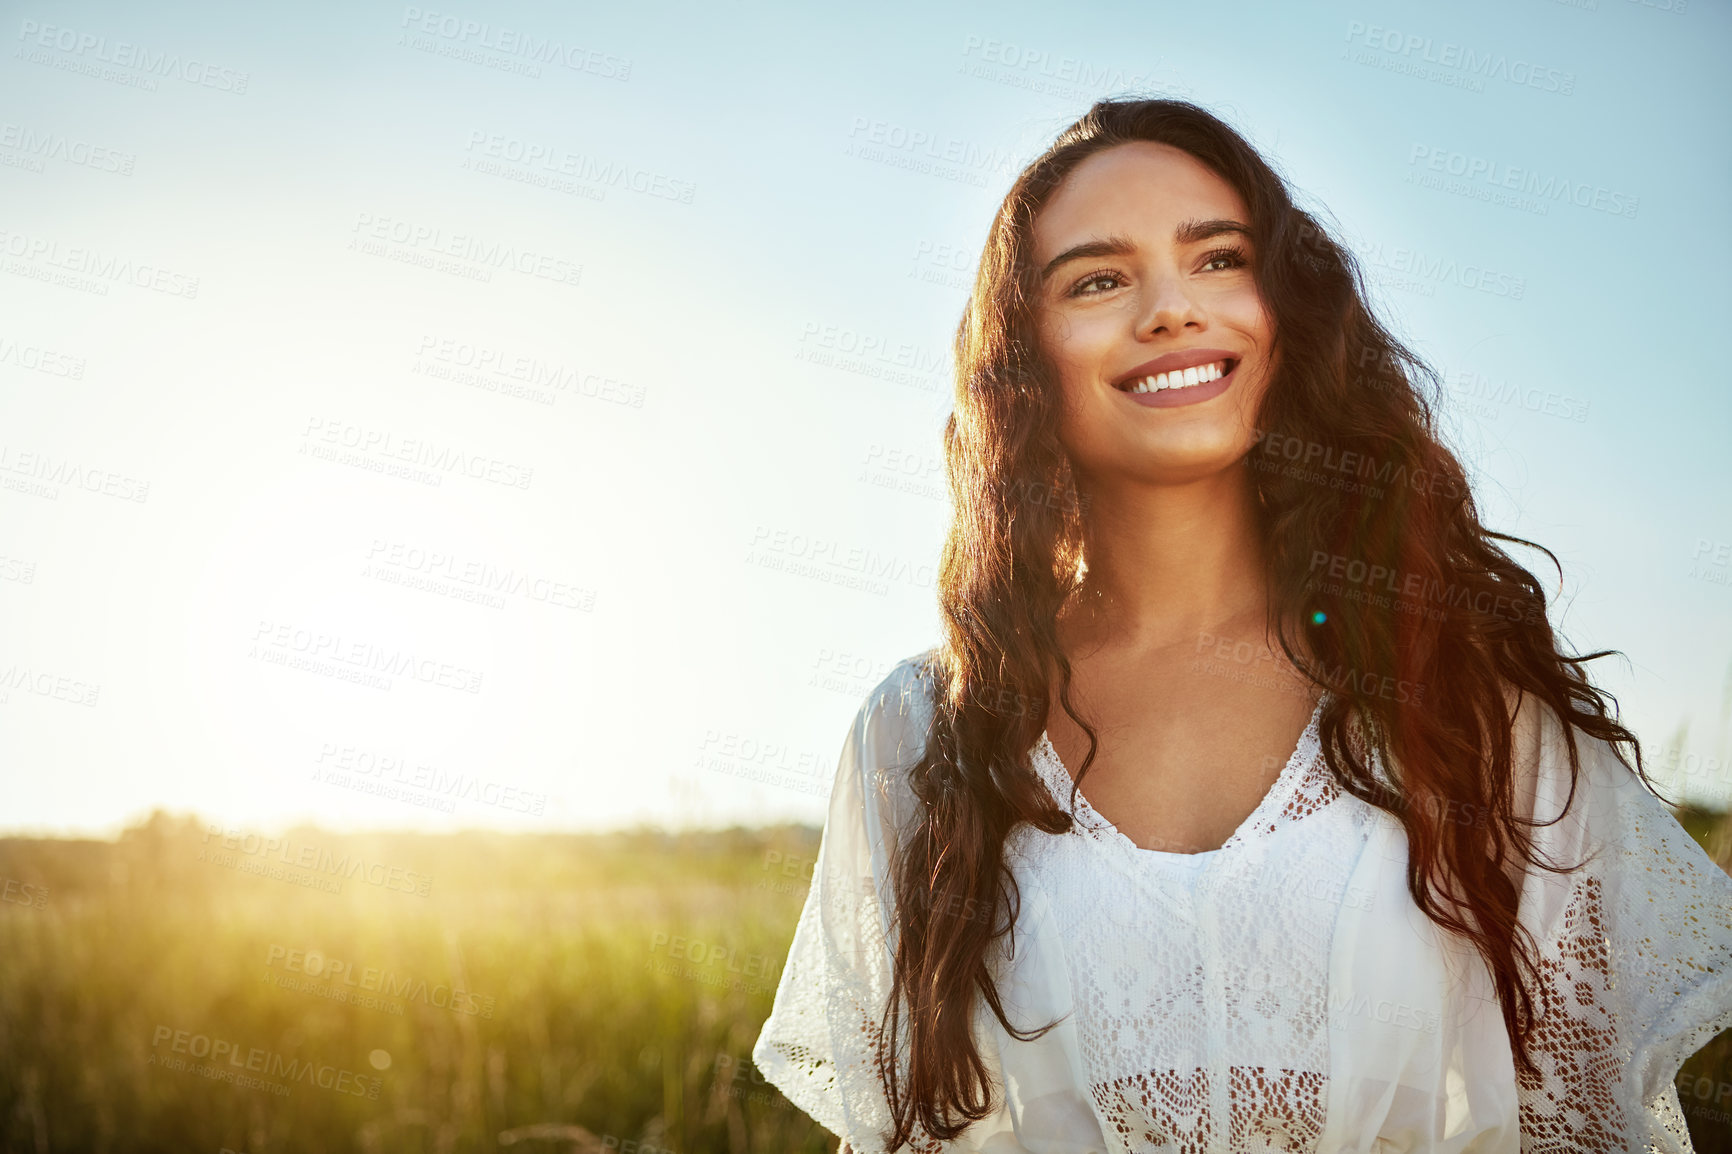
[{"x": 1145, "y": 257}]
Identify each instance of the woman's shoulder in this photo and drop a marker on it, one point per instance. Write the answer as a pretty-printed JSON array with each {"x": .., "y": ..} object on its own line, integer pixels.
[
  {"x": 1545, "y": 783},
  {"x": 913, "y": 676},
  {"x": 1598, "y": 818},
  {"x": 890, "y": 734},
  {"x": 901, "y": 704}
]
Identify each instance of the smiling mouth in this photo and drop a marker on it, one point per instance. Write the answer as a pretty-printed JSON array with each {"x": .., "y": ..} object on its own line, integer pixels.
[{"x": 1179, "y": 378}]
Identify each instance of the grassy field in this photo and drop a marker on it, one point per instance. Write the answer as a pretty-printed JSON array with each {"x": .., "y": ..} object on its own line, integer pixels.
[{"x": 189, "y": 991}]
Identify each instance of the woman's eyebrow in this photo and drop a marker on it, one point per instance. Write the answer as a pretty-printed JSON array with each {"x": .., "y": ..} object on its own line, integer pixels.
[
  {"x": 1107, "y": 246},
  {"x": 1188, "y": 232},
  {"x": 1192, "y": 231}
]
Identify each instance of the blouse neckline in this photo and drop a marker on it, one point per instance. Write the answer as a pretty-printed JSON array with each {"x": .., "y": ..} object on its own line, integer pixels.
[{"x": 1286, "y": 782}]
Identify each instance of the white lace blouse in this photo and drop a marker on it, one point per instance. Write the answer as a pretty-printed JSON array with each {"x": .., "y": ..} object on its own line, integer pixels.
[{"x": 1282, "y": 992}]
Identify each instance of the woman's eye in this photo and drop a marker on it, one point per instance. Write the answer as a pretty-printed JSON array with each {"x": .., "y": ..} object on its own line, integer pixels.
[
  {"x": 1092, "y": 279},
  {"x": 1226, "y": 257}
]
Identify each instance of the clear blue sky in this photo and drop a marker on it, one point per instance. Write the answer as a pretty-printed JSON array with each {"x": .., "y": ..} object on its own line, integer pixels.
[{"x": 640, "y": 315}]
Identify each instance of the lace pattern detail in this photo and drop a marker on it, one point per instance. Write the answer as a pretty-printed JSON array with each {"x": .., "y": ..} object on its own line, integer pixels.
[
  {"x": 1635, "y": 964},
  {"x": 1314, "y": 789},
  {"x": 1573, "y": 1104},
  {"x": 1279, "y": 1110}
]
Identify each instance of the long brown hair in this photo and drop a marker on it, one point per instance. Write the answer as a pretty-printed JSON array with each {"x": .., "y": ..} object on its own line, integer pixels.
[{"x": 1348, "y": 465}]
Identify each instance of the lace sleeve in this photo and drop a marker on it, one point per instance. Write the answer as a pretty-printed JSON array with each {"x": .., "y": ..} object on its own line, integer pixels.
[
  {"x": 819, "y": 1044},
  {"x": 1635, "y": 954}
]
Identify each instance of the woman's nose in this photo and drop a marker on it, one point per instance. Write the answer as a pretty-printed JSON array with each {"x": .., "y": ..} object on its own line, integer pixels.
[{"x": 1166, "y": 305}]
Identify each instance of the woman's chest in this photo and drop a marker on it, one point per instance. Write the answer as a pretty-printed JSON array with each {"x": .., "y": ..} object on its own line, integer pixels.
[
  {"x": 1181, "y": 777},
  {"x": 1181, "y": 962}
]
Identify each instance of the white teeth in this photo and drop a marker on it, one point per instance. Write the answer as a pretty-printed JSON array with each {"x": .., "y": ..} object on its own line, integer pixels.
[{"x": 1181, "y": 379}]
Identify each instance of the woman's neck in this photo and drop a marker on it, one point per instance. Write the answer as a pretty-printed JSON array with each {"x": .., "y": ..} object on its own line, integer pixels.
[{"x": 1166, "y": 562}]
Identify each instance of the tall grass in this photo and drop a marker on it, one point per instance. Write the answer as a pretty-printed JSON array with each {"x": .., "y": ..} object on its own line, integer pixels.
[
  {"x": 546, "y": 993},
  {"x": 579, "y": 1026}
]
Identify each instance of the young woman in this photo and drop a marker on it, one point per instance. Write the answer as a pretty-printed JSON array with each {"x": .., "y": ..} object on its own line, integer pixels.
[{"x": 1361, "y": 864}]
